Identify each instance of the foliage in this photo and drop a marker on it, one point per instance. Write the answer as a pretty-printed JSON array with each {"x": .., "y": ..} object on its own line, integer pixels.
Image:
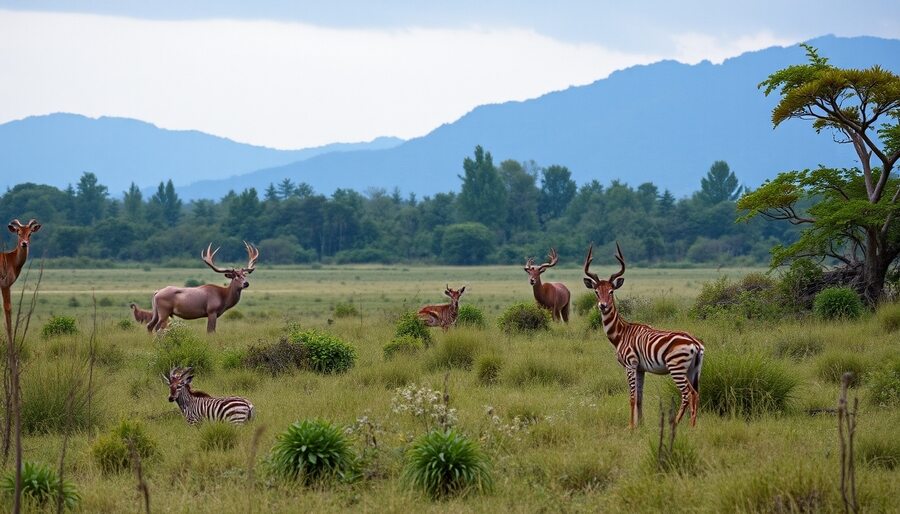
[
  {"x": 832, "y": 366},
  {"x": 753, "y": 297},
  {"x": 125, "y": 324},
  {"x": 884, "y": 385},
  {"x": 408, "y": 345},
  {"x": 595, "y": 319},
  {"x": 233, "y": 358},
  {"x": 719, "y": 185},
  {"x": 178, "y": 346},
  {"x": 524, "y": 317},
  {"x": 482, "y": 197},
  {"x": 743, "y": 385},
  {"x": 325, "y": 353},
  {"x": 446, "y": 463},
  {"x": 681, "y": 458},
  {"x": 219, "y": 435},
  {"x": 40, "y": 484},
  {"x": 425, "y": 405},
  {"x": 59, "y": 326},
  {"x": 888, "y": 316},
  {"x": 312, "y": 451},
  {"x": 838, "y": 303},
  {"x": 466, "y": 243},
  {"x": 533, "y": 371},
  {"x": 276, "y": 358},
  {"x": 345, "y": 310},
  {"x": 409, "y": 324},
  {"x": 469, "y": 316},
  {"x": 799, "y": 346},
  {"x": 55, "y": 396},
  {"x": 488, "y": 368},
  {"x": 798, "y": 282},
  {"x": 112, "y": 451},
  {"x": 879, "y": 451},
  {"x": 585, "y": 303},
  {"x": 456, "y": 351},
  {"x": 193, "y": 282}
]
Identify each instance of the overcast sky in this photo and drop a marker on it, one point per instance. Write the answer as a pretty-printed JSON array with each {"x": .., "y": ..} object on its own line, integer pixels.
[{"x": 293, "y": 74}]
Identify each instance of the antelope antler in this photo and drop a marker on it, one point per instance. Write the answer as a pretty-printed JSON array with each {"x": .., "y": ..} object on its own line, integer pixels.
[
  {"x": 209, "y": 256},
  {"x": 554, "y": 258},
  {"x": 252, "y": 257},
  {"x": 529, "y": 262},
  {"x": 621, "y": 259},
  {"x": 17, "y": 223},
  {"x": 587, "y": 265},
  {"x": 31, "y": 222}
]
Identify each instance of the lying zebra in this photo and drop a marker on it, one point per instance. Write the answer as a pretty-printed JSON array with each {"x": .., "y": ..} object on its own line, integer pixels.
[{"x": 198, "y": 406}]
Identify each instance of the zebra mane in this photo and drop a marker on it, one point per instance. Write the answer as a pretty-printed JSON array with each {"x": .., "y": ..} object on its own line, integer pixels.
[{"x": 198, "y": 394}]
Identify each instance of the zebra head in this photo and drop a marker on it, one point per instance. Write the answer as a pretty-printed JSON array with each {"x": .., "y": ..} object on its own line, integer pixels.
[
  {"x": 604, "y": 289},
  {"x": 178, "y": 379}
]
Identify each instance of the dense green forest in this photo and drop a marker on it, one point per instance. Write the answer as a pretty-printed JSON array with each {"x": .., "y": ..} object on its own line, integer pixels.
[{"x": 500, "y": 214}]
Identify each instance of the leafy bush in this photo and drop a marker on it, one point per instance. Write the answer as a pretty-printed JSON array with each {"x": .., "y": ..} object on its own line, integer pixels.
[
  {"x": 41, "y": 485},
  {"x": 888, "y": 316},
  {"x": 838, "y": 303},
  {"x": 488, "y": 368},
  {"x": 658, "y": 309},
  {"x": 742, "y": 385},
  {"x": 193, "y": 282},
  {"x": 884, "y": 385},
  {"x": 799, "y": 346},
  {"x": 797, "y": 284},
  {"x": 408, "y": 345},
  {"x": 533, "y": 371},
  {"x": 105, "y": 302},
  {"x": 233, "y": 314},
  {"x": 456, "y": 351},
  {"x": 277, "y": 358},
  {"x": 233, "y": 358},
  {"x": 595, "y": 319},
  {"x": 112, "y": 451},
  {"x": 469, "y": 316},
  {"x": 125, "y": 324},
  {"x": 442, "y": 464},
  {"x": 345, "y": 310},
  {"x": 46, "y": 407},
  {"x": 59, "y": 326},
  {"x": 753, "y": 297},
  {"x": 325, "y": 353},
  {"x": 312, "y": 451},
  {"x": 524, "y": 317},
  {"x": 409, "y": 324},
  {"x": 585, "y": 303},
  {"x": 681, "y": 458},
  {"x": 178, "y": 346},
  {"x": 218, "y": 436},
  {"x": 832, "y": 366},
  {"x": 881, "y": 452}
]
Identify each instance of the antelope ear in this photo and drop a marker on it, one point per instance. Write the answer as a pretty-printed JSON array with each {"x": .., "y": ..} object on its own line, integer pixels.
[
  {"x": 447, "y": 292},
  {"x": 462, "y": 290},
  {"x": 618, "y": 283},
  {"x": 35, "y": 227},
  {"x": 588, "y": 283},
  {"x": 248, "y": 271},
  {"x": 12, "y": 228},
  {"x": 229, "y": 275}
]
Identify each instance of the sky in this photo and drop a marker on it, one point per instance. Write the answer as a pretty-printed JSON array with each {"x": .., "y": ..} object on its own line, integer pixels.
[{"x": 296, "y": 74}]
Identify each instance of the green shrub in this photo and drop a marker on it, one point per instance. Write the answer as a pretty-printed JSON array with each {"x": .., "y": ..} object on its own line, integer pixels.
[
  {"x": 281, "y": 357},
  {"x": 884, "y": 385},
  {"x": 469, "y": 316},
  {"x": 233, "y": 314},
  {"x": 107, "y": 355},
  {"x": 105, "y": 302},
  {"x": 681, "y": 458},
  {"x": 533, "y": 371},
  {"x": 753, "y": 297},
  {"x": 585, "y": 303},
  {"x": 443, "y": 464},
  {"x": 798, "y": 283},
  {"x": 233, "y": 358},
  {"x": 325, "y": 353},
  {"x": 524, "y": 317},
  {"x": 345, "y": 310},
  {"x": 832, "y": 366},
  {"x": 409, "y": 324},
  {"x": 41, "y": 485},
  {"x": 838, "y": 303},
  {"x": 799, "y": 346},
  {"x": 742, "y": 385},
  {"x": 880, "y": 452},
  {"x": 658, "y": 309},
  {"x": 407, "y": 345},
  {"x": 112, "y": 451},
  {"x": 125, "y": 324},
  {"x": 218, "y": 436},
  {"x": 59, "y": 326},
  {"x": 73, "y": 302},
  {"x": 888, "y": 316},
  {"x": 312, "y": 451},
  {"x": 193, "y": 282},
  {"x": 179, "y": 347},
  {"x": 46, "y": 407},
  {"x": 457, "y": 350},
  {"x": 488, "y": 368},
  {"x": 595, "y": 319}
]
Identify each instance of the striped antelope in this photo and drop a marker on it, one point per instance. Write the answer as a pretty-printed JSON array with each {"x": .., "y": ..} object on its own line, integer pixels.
[
  {"x": 198, "y": 406},
  {"x": 641, "y": 348},
  {"x": 443, "y": 315}
]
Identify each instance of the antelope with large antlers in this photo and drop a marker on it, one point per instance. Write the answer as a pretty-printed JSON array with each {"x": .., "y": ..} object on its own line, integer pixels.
[
  {"x": 552, "y": 296},
  {"x": 209, "y": 301},
  {"x": 641, "y": 348},
  {"x": 443, "y": 315}
]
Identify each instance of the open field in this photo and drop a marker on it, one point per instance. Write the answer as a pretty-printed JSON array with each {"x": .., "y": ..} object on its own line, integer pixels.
[{"x": 573, "y": 452}]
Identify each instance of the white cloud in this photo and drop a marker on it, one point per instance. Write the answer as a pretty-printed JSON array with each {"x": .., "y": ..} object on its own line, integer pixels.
[
  {"x": 291, "y": 85},
  {"x": 693, "y": 47}
]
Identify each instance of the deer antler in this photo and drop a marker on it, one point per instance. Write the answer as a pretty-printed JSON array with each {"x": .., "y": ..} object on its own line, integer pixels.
[
  {"x": 554, "y": 258},
  {"x": 31, "y": 222},
  {"x": 17, "y": 223},
  {"x": 208, "y": 257},
  {"x": 529, "y": 262},
  {"x": 252, "y": 257},
  {"x": 587, "y": 265},
  {"x": 621, "y": 259}
]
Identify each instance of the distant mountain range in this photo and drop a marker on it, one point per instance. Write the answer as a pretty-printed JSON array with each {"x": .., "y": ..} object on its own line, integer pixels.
[{"x": 664, "y": 122}]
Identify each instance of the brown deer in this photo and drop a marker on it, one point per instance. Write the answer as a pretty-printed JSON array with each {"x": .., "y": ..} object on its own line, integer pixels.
[
  {"x": 443, "y": 315},
  {"x": 140, "y": 315},
  {"x": 552, "y": 296},
  {"x": 207, "y": 301}
]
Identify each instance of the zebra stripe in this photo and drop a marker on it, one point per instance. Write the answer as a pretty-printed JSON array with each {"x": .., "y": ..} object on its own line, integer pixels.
[{"x": 197, "y": 406}]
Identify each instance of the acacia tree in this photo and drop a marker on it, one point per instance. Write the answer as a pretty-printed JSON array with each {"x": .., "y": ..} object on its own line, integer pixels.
[{"x": 853, "y": 212}]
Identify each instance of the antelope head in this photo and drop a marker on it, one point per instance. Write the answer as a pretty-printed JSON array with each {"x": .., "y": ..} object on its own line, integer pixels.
[
  {"x": 24, "y": 231},
  {"x": 604, "y": 288},
  {"x": 177, "y": 379},
  {"x": 238, "y": 276},
  {"x": 534, "y": 272},
  {"x": 454, "y": 294}
]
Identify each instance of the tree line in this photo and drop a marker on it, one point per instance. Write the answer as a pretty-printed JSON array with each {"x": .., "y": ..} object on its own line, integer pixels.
[{"x": 501, "y": 214}]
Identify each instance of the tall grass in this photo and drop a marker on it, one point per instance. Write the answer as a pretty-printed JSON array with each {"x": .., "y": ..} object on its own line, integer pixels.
[
  {"x": 744, "y": 385},
  {"x": 46, "y": 391}
]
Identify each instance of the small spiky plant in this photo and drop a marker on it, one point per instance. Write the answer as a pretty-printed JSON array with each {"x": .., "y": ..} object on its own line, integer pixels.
[
  {"x": 443, "y": 464},
  {"x": 312, "y": 451},
  {"x": 42, "y": 485}
]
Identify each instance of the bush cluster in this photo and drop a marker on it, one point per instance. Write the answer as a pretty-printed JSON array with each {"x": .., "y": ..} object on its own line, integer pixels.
[
  {"x": 112, "y": 452},
  {"x": 446, "y": 463},
  {"x": 179, "y": 346},
  {"x": 312, "y": 451},
  {"x": 407, "y": 345},
  {"x": 524, "y": 317},
  {"x": 884, "y": 385},
  {"x": 585, "y": 303},
  {"x": 888, "y": 316},
  {"x": 743, "y": 385},
  {"x": 799, "y": 346},
  {"x": 457, "y": 351},
  {"x": 753, "y": 297},
  {"x": 409, "y": 324},
  {"x": 470, "y": 316},
  {"x": 219, "y": 435},
  {"x": 345, "y": 310},
  {"x": 838, "y": 303},
  {"x": 41, "y": 485},
  {"x": 59, "y": 326},
  {"x": 325, "y": 353},
  {"x": 46, "y": 405},
  {"x": 280, "y": 357},
  {"x": 832, "y": 366},
  {"x": 798, "y": 284},
  {"x": 488, "y": 368}
]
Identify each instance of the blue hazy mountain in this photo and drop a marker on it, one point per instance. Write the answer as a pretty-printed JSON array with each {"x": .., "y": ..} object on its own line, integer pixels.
[
  {"x": 57, "y": 148},
  {"x": 664, "y": 122}
]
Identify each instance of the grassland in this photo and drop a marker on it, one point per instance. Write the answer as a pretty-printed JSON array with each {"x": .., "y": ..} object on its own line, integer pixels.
[{"x": 573, "y": 453}]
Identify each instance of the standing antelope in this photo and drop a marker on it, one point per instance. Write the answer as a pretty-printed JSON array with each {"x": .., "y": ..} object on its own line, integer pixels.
[
  {"x": 641, "y": 348},
  {"x": 140, "y": 315},
  {"x": 208, "y": 300},
  {"x": 553, "y": 296},
  {"x": 198, "y": 406},
  {"x": 443, "y": 315}
]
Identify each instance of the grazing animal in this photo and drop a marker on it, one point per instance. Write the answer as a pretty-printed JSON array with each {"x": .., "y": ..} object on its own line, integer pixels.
[
  {"x": 140, "y": 315},
  {"x": 207, "y": 301},
  {"x": 552, "y": 296},
  {"x": 443, "y": 315},
  {"x": 198, "y": 406},
  {"x": 641, "y": 348}
]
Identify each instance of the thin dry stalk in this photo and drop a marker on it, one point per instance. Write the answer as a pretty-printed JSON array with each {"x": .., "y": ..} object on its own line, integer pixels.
[
  {"x": 139, "y": 473},
  {"x": 92, "y": 350},
  {"x": 663, "y": 453},
  {"x": 251, "y": 465},
  {"x": 846, "y": 433}
]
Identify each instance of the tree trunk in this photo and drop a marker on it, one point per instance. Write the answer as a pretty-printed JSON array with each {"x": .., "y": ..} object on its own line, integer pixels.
[{"x": 878, "y": 260}]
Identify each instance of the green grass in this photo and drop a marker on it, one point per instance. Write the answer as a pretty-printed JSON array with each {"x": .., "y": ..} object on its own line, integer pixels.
[{"x": 574, "y": 450}]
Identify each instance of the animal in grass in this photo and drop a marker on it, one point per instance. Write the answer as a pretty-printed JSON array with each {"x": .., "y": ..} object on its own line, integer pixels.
[
  {"x": 641, "y": 348},
  {"x": 140, "y": 315},
  {"x": 443, "y": 315},
  {"x": 207, "y": 301},
  {"x": 198, "y": 406},
  {"x": 552, "y": 296},
  {"x": 11, "y": 262}
]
